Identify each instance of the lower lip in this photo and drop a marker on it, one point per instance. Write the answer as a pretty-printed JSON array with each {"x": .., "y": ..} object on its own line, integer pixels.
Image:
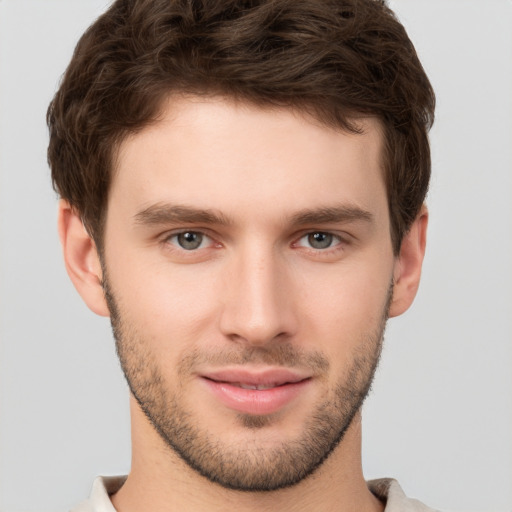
[{"x": 256, "y": 401}]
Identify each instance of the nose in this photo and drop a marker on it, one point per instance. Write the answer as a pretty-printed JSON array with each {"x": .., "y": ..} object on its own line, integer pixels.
[{"x": 258, "y": 306}]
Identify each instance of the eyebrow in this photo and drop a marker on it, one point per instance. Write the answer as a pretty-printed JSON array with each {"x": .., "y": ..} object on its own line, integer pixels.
[
  {"x": 334, "y": 214},
  {"x": 163, "y": 213}
]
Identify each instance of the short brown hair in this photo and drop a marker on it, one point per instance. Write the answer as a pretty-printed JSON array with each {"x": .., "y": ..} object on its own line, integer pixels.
[{"x": 335, "y": 59}]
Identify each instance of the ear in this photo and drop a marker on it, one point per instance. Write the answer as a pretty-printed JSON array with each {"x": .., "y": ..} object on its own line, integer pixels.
[
  {"x": 81, "y": 259},
  {"x": 407, "y": 270}
]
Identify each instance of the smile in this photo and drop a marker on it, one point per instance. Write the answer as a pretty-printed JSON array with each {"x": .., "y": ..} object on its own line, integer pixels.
[
  {"x": 259, "y": 387},
  {"x": 257, "y": 393}
]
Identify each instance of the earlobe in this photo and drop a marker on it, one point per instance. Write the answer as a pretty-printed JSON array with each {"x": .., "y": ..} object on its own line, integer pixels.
[
  {"x": 408, "y": 264},
  {"x": 81, "y": 259}
]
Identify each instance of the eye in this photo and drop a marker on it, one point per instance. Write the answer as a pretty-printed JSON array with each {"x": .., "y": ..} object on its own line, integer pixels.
[
  {"x": 189, "y": 240},
  {"x": 319, "y": 240}
]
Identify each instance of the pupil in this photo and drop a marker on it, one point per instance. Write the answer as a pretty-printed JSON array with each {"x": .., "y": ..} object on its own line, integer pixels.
[
  {"x": 320, "y": 240},
  {"x": 190, "y": 240}
]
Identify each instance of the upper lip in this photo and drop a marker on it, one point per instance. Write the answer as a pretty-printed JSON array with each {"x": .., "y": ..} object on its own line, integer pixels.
[{"x": 257, "y": 377}]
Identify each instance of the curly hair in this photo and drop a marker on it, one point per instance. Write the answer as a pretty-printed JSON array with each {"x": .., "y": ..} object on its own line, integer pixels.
[{"x": 334, "y": 59}]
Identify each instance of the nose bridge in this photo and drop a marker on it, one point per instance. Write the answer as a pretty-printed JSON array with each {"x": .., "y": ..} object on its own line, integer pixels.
[{"x": 258, "y": 307}]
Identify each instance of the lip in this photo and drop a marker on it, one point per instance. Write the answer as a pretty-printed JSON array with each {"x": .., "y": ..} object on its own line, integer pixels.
[{"x": 272, "y": 389}]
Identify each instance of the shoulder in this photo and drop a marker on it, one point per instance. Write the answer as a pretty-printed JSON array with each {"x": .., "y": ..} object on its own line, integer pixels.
[
  {"x": 99, "y": 500},
  {"x": 390, "y": 493}
]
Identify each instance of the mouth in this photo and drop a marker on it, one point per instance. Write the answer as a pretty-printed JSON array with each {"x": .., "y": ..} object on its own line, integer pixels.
[
  {"x": 258, "y": 387},
  {"x": 256, "y": 392}
]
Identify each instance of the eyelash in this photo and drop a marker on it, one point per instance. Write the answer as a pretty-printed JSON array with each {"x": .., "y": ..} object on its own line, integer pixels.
[
  {"x": 168, "y": 239},
  {"x": 336, "y": 242}
]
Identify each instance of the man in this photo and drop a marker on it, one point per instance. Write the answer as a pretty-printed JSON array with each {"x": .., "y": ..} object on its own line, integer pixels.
[{"x": 242, "y": 190}]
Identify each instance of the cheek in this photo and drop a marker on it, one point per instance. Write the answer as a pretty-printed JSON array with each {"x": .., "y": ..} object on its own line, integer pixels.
[
  {"x": 177, "y": 307},
  {"x": 346, "y": 307},
  {"x": 172, "y": 307}
]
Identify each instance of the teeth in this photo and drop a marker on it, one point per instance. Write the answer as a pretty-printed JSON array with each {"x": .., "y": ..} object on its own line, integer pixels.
[{"x": 254, "y": 386}]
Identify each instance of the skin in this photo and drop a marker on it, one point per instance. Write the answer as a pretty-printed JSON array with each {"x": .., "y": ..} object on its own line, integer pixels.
[{"x": 254, "y": 284}]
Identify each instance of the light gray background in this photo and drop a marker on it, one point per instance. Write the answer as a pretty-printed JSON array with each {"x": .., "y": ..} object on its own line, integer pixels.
[{"x": 440, "y": 416}]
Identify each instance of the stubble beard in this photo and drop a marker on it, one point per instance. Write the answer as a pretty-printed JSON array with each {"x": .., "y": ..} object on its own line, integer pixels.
[{"x": 250, "y": 467}]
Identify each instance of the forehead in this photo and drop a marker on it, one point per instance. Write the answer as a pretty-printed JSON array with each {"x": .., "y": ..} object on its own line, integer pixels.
[{"x": 236, "y": 157}]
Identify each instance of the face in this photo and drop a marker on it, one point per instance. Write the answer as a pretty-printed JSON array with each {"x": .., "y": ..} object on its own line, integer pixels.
[{"x": 248, "y": 269}]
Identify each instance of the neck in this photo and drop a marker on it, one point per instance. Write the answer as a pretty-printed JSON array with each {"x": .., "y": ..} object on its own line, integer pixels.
[{"x": 162, "y": 482}]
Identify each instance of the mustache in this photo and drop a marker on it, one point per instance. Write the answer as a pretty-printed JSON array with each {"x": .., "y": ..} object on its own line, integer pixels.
[{"x": 276, "y": 354}]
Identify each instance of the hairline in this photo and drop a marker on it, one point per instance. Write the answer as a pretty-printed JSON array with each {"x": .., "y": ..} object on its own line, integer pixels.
[{"x": 355, "y": 120}]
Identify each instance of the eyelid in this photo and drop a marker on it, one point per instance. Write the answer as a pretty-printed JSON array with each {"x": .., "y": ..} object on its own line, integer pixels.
[
  {"x": 341, "y": 243},
  {"x": 341, "y": 239},
  {"x": 168, "y": 235},
  {"x": 335, "y": 237}
]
